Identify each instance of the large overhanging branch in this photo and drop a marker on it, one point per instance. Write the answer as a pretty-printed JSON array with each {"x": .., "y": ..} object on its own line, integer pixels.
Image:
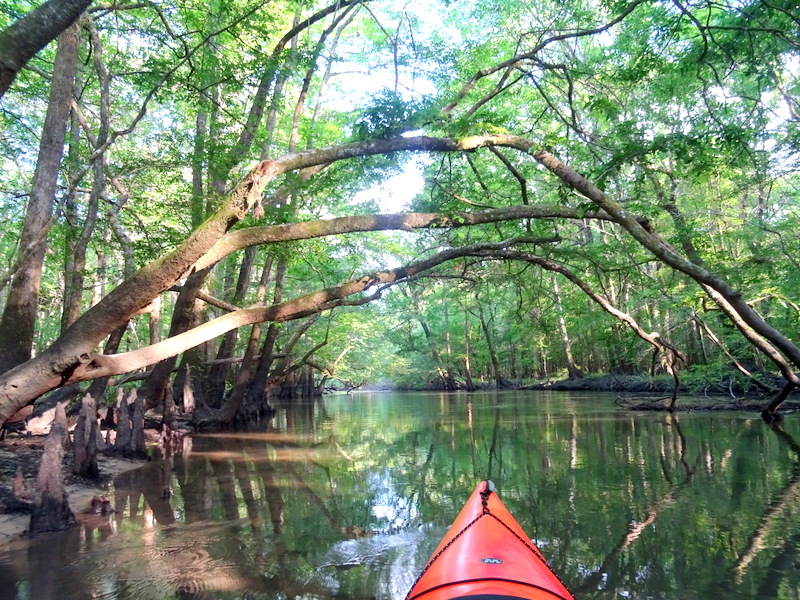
[
  {"x": 26, "y": 36},
  {"x": 137, "y": 291},
  {"x": 73, "y": 351},
  {"x": 103, "y": 365},
  {"x": 251, "y": 236},
  {"x": 54, "y": 366}
]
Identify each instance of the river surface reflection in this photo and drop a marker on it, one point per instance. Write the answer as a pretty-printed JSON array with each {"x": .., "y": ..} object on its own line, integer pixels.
[{"x": 347, "y": 498}]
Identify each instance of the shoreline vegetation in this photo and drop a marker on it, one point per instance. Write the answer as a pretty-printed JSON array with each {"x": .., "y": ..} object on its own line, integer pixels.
[{"x": 638, "y": 392}]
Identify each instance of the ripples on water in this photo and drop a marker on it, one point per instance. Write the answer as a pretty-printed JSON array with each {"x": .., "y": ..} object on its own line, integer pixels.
[{"x": 347, "y": 499}]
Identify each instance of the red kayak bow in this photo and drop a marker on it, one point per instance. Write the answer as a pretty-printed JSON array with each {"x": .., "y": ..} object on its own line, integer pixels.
[{"x": 485, "y": 555}]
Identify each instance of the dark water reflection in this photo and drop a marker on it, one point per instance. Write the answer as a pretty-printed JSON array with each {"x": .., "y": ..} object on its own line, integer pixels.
[{"x": 347, "y": 499}]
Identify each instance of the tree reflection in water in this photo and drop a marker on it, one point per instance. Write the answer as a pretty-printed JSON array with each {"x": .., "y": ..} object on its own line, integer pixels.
[{"x": 349, "y": 498}]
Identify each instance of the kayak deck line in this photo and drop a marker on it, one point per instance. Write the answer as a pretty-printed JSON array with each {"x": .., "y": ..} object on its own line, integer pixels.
[
  {"x": 479, "y": 560},
  {"x": 489, "y": 596}
]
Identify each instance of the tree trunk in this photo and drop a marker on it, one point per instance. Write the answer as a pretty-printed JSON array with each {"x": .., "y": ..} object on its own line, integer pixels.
[
  {"x": 281, "y": 369},
  {"x": 256, "y": 393},
  {"x": 237, "y": 395},
  {"x": 154, "y": 320},
  {"x": 19, "y": 316},
  {"x": 154, "y": 388},
  {"x": 467, "y": 351},
  {"x": 122, "y": 443},
  {"x": 442, "y": 368},
  {"x": 73, "y": 173},
  {"x": 572, "y": 369},
  {"x": 445, "y": 375},
  {"x": 73, "y": 288},
  {"x": 494, "y": 362},
  {"x": 218, "y": 373},
  {"x": 26, "y": 36},
  {"x": 198, "y": 164}
]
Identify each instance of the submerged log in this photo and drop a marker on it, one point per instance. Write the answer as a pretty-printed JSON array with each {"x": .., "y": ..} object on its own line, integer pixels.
[{"x": 51, "y": 511}]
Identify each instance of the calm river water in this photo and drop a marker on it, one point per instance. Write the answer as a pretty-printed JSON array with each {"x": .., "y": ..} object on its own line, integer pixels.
[{"x": 347, "y": 498}]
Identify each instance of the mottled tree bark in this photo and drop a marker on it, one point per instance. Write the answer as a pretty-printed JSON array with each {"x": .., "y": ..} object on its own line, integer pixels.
[
  {"x": 19, "y": 316},
  {"x": 26, "y": 36}
]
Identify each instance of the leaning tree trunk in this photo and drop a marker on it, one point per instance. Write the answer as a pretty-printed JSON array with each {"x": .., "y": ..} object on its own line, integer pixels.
[
  {"x": 26, "y": 36},
  {"x": 19, "y": 315},
  {"x": 671, "y": 356},
  {"x": 752, "y": 325},
  {"x": 670, "y": 205}
]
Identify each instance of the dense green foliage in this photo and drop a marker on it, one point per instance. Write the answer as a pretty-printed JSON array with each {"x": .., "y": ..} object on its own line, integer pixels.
[{"x": 689, "y": 114}]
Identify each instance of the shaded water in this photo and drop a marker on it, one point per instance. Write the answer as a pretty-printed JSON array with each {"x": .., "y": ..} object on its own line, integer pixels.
[{"x": 348, "y": 498}]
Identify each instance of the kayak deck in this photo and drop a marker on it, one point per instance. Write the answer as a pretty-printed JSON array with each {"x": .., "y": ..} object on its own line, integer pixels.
[{"x": 486, "y": 555}]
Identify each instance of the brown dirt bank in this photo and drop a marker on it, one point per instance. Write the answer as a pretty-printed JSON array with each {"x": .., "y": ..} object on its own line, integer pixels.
[{"x": 25, "y": 452}]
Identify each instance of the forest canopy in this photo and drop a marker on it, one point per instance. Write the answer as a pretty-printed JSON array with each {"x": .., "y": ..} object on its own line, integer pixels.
[{"x": 232, "y": 201}]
